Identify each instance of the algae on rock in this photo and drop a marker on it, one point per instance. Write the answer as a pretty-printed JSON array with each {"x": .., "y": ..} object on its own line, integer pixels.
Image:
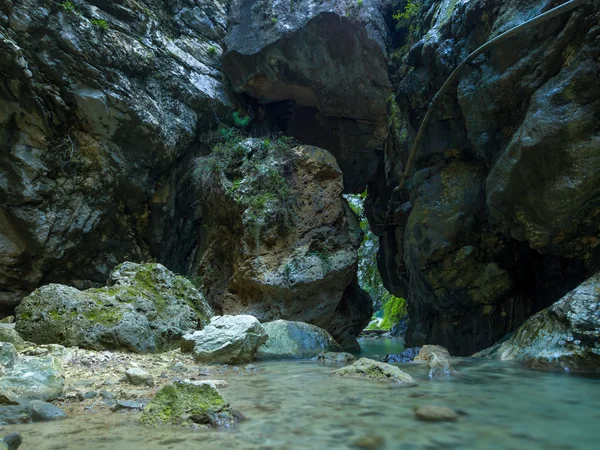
[
  {"x": 145, "y": 308},
  {"x": 186, "y": 404}
]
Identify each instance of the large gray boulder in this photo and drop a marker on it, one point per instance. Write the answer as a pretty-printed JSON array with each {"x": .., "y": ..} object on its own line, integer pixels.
[
  {"x": 95, "y": 117},
  {"x": 281, "y": 242},
  {"x": 145, "y": 308},
  {"x": 226, "y": 340},
  {"x": 29, "y": 377},
  {"x": 565, "y": 336},
  {"x": 295, "y": 340}
]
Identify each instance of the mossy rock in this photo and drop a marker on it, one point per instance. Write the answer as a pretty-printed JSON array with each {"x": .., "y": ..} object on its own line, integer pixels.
[
  {"x": 186, "y": 404},
  {"x": 145, "y": 308},
  {"x": 369, "y": 369}
]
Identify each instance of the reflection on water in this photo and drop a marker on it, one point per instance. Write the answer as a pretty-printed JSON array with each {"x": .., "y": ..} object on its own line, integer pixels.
[
  {"x": 378, "y": 348},
  {"x": 299, "y": 405}
]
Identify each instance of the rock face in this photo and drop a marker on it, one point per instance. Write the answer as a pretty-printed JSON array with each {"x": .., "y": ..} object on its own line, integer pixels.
[
  {"x": 310, "y": 55},
  {"x": 564, "y": 336},
  {"x": 369, "y": 369},
  {"x": 500, "y": 218},
  {"x": 144, "y": 308},
  {"x": 295, "y": 340},
  {"x": 226, "y": 340},
  {"x": 29, "y": 377},
  {"x": 97, "y": 116},
  {"x": 280, "y": 241},
  {"x": 185, "y": 404}
]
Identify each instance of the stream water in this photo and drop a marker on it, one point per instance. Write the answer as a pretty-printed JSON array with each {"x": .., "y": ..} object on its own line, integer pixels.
[{"x": 299, "y": 405}]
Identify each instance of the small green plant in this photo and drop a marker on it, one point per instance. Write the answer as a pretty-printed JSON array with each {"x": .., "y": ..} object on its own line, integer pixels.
[
  {"x": 100, "y": 23},
  {"x": 273, "y": 20},
  {"x": 404, "y": 17},
  {"x": 359, "y": 2},
  {"x": 68, "y": 6},
  {"x": 240, "y": 122},
  {"x": 212, "y": 50}
]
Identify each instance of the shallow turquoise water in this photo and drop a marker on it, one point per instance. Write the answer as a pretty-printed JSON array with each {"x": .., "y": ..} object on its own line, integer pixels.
[{"x": 299, "y": 405}]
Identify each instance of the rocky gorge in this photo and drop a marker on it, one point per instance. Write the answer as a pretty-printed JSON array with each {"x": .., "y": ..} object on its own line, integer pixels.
[{"x": 174, "y": 214}]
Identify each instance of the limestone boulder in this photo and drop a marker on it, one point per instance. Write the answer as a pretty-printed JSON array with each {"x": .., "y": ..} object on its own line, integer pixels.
[
  {"x": 279, "y": 240},
  {"x": 186, "y": 404},
  {"x": 145, "y": 308},
  {"x": 226, "y": 340},
  {"x": 369, "y": 369},
  {"x": 295, "y": 340},
  {"x": 94, "y": 119},
  {"x": 564, "y": 336}
]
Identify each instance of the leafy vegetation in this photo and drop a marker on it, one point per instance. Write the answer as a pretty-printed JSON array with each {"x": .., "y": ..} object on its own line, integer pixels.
[
  {"x": 212, "y": 50},
  {"x": 68, "y": 6},
  {"x": 250, "y": 172},
  {"x": 368, "y": 273},
  {"x": 100, "y": 23},
  {"x": 405, "y": 17}
]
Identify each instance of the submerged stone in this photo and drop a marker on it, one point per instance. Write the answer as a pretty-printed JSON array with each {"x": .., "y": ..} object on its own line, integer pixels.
[
  {"x": 438, "y": 360},
  {"x": 295, "y": 340},
  {"x": 408, "y": 354},
  {"x": 433, "y": 413},
  {"x": 375, "y": 370},
  {"x": 336, "y": 357},
  {"x": 145, "y": 308},
  {"x": 186, "y": 404},
  {"x": 226, "y": 340}
]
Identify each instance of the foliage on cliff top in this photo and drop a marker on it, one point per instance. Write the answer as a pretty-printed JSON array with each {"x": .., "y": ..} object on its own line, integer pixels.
[{"x": 251, "y": 172}]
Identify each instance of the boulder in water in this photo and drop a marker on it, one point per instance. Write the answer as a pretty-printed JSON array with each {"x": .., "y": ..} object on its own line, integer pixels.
[
  {"x": 226, "y": 340},
  {"x": 186, "y": 404},
  {"x": 375, "y": 370},
  {"x": 433, "y": 413},
  {"x": 438, "y": 359},
  {"x": 407, "y": 355},
  {"x": 336, "y": 357},
  {"x": 295, "y": 340},
  {"x": 145, "y": 308},
  {"x": 564, "y": 336}
]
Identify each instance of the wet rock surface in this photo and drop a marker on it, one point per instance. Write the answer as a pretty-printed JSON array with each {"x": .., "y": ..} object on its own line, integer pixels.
[
  {"x": 482, "y": 236},
  {"x": 281, "y": 242},
  {"x": 226, "y": 340},
  {"x": 407, "y": 355},
  {"x": 30, "y": 377},
  {"x": 336, "y": 357},
  {"x": 295, "y": 340},
  {"x": 565, "y": 336},
  {"x": 144, "y": 308},
  {"x": 433, "y": 413},
  {"x": 101, "y": 102},
  {"x": 369, "y": 369},
  {"x": 185, "y": 404},
  {"x": 266, "y": 57}
]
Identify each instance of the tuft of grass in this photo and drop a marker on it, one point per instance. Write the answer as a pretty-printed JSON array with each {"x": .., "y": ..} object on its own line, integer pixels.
[
  {"x": 212, "y": 50},
  {"x": 68, "y": 6}
]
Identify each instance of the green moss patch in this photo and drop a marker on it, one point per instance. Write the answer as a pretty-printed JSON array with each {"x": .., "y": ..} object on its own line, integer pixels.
[{"x": 184, "y": 404}]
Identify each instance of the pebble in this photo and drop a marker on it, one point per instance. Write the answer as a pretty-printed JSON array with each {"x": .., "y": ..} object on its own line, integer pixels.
[
  {"x": 127, "y": 405},
  {"x": 433, "y": 413},
  {"x": 178, "y": 367},
  {"x": 369, "y": 442},
  {"x": 137, "y": 376}
]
